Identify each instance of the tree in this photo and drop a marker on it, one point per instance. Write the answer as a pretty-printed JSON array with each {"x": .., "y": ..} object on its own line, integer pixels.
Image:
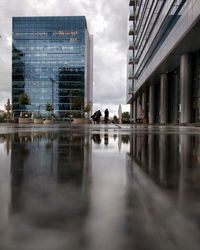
[
  {"x": 87, "y": 109},
  {"x": 115, "y": 119},
  {"x": 78, "y": 104},
  {"x": 24, "y": 100},
  {"x": 8, "y": 108},
  {"x": 49, "y": 108},
  {"x": 125, "y": 117}
]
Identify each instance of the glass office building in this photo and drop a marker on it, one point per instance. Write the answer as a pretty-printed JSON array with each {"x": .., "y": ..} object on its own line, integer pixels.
[
  {"x": 164, "y": 61},
  {"x": 52, "y": 63}
]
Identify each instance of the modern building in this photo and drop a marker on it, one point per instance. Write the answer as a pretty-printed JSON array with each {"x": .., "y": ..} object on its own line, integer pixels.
[
  {"x": 52, "y": 61},
  {"x": 164, "y": 61}
]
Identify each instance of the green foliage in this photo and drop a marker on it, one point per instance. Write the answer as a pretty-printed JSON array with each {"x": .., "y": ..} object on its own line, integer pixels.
[
  {"x": 77, "y": 102},
  {"x": 115, "y": 119},
  {"x": 78, "y": 106},
  {"x": 126, "y": 117},
  {"x": 49, "y": 108},
  {"x": 87, "y": 108},
  {"x": 8, "y": 108},
  {"x": 24, "y": 99}
]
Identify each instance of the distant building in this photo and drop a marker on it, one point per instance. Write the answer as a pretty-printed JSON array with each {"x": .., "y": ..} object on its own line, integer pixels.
[
  {"x": 52, "y": 62},
  {"x": 164, "y": 61}
]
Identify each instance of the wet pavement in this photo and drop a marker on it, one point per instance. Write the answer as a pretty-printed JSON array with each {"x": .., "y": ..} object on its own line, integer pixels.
[{"x": 99, "y": 187}]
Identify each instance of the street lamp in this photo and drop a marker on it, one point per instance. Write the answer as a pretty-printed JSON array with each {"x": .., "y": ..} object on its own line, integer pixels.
[{"x": 52, "y": 92}]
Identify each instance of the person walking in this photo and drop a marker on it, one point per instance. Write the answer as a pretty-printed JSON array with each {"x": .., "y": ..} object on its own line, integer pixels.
[
  {"x": 106, "y": 115},
  {"x": 98, "y": 116}
]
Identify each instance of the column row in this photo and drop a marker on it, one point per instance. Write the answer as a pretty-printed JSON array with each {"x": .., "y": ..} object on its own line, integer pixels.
[{"x": 161, "y": 103}]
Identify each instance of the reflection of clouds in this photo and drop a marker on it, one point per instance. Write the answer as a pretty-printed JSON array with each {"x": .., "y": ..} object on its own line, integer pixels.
[{"x": 50, "y": 206}]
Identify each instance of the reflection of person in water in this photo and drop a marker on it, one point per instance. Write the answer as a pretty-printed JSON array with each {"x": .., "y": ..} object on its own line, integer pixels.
[
  {"x": 106, "y": 139},
  {"x": 96, "y": 138}
]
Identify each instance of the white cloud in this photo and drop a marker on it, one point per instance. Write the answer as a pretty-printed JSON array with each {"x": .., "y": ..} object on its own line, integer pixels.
[{"x": 107, "y": 21}]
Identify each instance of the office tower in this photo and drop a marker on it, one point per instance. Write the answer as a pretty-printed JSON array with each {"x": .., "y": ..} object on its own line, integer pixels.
[{"x": 52, "y": 63}]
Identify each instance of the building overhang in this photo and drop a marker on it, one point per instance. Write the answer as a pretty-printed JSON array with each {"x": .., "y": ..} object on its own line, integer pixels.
[{"x": 189, "y": 44}]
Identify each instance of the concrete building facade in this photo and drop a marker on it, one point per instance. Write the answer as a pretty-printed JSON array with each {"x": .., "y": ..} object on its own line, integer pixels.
[{"x": 164, "y": 70}]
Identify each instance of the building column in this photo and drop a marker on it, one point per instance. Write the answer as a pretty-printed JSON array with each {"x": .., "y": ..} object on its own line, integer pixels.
[
  {"x": 185, "y": 88},
  {"x": 134, "y": 110},
  {"x": 131, "y": 111},
  {"x": 164, "y": 99},
  {"x": 175, "y": 99},
  {"x": 144, "y": 106},
  {"x": 138, "y": 108},
  {"x": 151, "y": 104}
]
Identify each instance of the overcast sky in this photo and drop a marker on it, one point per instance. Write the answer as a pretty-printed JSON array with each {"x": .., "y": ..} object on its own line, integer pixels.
[{"x": 107, "y": 21}]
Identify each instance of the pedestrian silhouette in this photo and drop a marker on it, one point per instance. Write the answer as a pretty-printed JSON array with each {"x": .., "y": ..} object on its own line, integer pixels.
[
  {"x": 96, "y": 116},
  {"x": 106, "y": 115}
]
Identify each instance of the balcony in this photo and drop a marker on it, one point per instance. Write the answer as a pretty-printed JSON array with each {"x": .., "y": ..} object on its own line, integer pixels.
[
  {"x": 132, "y": 15},
  {"x": 130, "y": 74},
  {"x": 130, "y": 91},
  {"x": 130, "y": 47},
  {"x": 131, "y": 30},
  {"x": 133, "y": 2},
  {"x": 135, "y": 61},
  {"x": 130, "y": 59}
]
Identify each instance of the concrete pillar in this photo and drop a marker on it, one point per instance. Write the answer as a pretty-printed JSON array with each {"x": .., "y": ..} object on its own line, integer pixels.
[
  {"x": 138, "y": 108},
  {"x": 131, "y": 111},
  {"x": 175, "y": 99},
  {"x": 134, "y": 110},
  {"x": 185, "y": 88},
  {"x": 164, "y": 99},
  {"x": 152, "y": 104},
  {"x": 144, "y": 105}
]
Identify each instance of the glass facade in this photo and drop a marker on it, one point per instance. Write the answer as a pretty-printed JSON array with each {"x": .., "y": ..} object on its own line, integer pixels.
[{"x": 50, "y": 63}]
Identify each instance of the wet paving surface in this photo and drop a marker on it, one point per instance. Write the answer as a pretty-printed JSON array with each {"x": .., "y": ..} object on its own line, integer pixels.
[{"x": 99, "y": 187}]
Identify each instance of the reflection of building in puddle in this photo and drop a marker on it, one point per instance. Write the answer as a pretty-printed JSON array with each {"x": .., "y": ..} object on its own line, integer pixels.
[
  {"x": 50, "y": 174},
  {"x": 6, "y": 140},
  {"x": 123, "y": 139},
  {"x": 169, "y": 159},
  {"x": 163, "y": 183},
  {"x": 5, "y": 146}
]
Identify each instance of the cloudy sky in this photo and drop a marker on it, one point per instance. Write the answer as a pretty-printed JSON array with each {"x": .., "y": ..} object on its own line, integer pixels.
[{"x": 107, "y": 21}]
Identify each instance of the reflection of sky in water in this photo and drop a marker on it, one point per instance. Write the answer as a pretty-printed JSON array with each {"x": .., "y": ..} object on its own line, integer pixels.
[{"x": 99, "y": 190}]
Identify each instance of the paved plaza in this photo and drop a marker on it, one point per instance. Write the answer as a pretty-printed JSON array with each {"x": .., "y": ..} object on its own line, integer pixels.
[{"x": 99, "y": 187}]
